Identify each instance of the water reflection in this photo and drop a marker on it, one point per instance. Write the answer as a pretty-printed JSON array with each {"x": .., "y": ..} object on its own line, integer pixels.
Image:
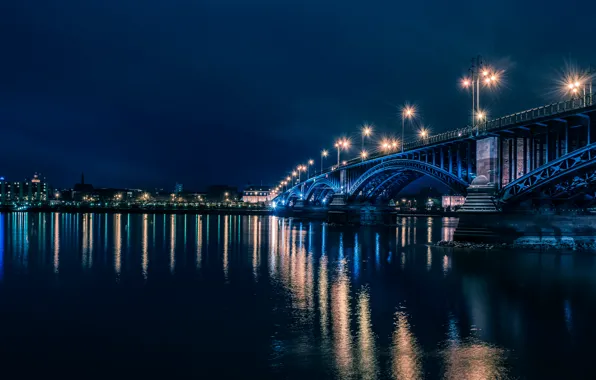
[
  {"x": 340, "y": 309},
  {"x": 366, "y": 338},
  {"x": 225, "y": 246},
  {"x": 199, "y": 241},
  {"x": 172, "y": 243},
  {"x": 56, "y": 238},
  {"x": 323, "y": 292},
  {"x": 406, "y": 356},
  {"x": 145, "y": 247},
  {"x": 117, "y": 244},
  {"x": 477, "y": 359}
]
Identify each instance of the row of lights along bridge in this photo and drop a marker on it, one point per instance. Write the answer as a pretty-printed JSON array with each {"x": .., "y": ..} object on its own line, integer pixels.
[{"x": 480, "y": 75}]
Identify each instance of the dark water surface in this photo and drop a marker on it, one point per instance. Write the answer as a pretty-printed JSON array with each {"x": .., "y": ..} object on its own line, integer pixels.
[{"x": 135, "y": 296}]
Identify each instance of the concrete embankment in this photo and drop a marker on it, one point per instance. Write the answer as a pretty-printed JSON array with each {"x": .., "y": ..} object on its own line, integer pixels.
[{"x": 570, "y": 231}]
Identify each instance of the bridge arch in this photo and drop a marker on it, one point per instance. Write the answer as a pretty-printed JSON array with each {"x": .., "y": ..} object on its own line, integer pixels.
[
  {"x": 320, "y": 187},
  {"x": 401, "y": 172}
]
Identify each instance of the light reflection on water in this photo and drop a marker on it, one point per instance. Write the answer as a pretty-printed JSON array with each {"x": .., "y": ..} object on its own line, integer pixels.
[{"x": 356, "y": 302}]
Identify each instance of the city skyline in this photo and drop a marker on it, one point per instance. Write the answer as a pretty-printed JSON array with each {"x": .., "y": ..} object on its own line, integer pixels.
[{"x": 234, "y": 94}]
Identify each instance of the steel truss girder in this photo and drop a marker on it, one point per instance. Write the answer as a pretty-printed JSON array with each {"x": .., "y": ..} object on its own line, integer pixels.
[{"x": 547, "y": 174}]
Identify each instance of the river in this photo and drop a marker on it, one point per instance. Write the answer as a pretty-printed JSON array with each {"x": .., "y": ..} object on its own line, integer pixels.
[{"x": 220, "y": 296}]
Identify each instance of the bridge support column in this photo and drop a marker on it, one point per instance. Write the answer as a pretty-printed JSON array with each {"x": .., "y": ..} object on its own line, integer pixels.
[
  {"x": 510, "y": 169},
  {"x": 501, "y": 160},
  {"x": 469, "y": 160},
  {"x": 525, "y": 155},
  {"x": 566, "y": 138},
  {"x": 515, "y": 149},
  {"x": 458, "y": 158},
  {"x": 442, "y": 157},
  {"x": 547, "y": 154},
  {"x": 450, "y": 153},
  {"x": 486, "y": 159}
]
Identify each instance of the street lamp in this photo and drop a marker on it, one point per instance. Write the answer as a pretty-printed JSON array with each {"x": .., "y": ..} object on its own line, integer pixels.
[
  {"x": 423, "y": 132},
  {"x": 310, "y": 162},
  {"x": 490, "y": 78},
  {"x": 324, "y": 154},
  {"x": 299, "y": 169},
  {"x": 363, "y": 155},
  {"x": 341, "y": 144},
  {"x": 366, "y": 132},
  {"x": 573, "y": 86},
  {"x": 386, "y": 145},
  {"x": 407, "y": 112}
]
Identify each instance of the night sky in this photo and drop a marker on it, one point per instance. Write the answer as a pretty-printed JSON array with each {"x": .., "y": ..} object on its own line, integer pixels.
[{"x": 146, "y": 93}]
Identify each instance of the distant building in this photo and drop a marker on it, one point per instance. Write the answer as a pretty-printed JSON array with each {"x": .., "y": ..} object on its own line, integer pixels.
[
  {"x": 257, "y": 194},
  {"x": 451, "y": 202},
  {"x": 81, "y": 189},
  {"x": 178, "y": 189},
  {"x": 35, "y": 189}
]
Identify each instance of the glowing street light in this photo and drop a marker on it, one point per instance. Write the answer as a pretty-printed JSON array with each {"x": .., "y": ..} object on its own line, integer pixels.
[
  {"x": 366, "y": 132},
  {"x": 387, "y": 145},
  {"x": 341, "y": 144},
  {"x": 363, "y": 154},
  {"x": 310, "y": 162},
  {"x": 324, "y": 154},
  {"x": 423, "y": 132},
  {"x": 490, "y": 78},
  {"x": 407, "y": 112},
  {"x": 574, "y": 85},
  {"x": 300, "y": 168}
]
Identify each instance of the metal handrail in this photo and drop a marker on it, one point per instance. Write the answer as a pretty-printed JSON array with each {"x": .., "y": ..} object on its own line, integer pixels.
[{"x": 531, "y": 114}]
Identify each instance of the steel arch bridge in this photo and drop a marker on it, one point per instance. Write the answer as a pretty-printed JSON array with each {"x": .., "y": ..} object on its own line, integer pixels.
[{"x": 547, "y": 152}]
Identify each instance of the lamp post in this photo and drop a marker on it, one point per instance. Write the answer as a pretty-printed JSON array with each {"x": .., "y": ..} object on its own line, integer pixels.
[
  {"x": 406, "y": 112},
  {"x": 366, "y": 132},
  {"x": 363, "y": 155},
  {"x": 489, "y": 77},
  {"x": 423, "y": 133},
  {"x": 341, "y": 144},
  {"x": 310, "y": 162},
  {"x": 324, "y": 154}
]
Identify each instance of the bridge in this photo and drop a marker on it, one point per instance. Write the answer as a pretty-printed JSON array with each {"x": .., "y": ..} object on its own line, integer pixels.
[{"x": 545, "y": 154}]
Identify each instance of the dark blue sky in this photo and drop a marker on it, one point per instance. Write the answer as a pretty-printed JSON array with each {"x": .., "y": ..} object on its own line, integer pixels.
[{"x": 144, "y": 93}]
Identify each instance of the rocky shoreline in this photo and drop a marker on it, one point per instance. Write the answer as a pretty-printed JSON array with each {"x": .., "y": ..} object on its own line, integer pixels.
[{"x": 565, "y": 244}]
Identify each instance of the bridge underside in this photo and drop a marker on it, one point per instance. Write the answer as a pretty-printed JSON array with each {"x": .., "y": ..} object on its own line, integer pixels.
[{"x": 384, "y": 186}]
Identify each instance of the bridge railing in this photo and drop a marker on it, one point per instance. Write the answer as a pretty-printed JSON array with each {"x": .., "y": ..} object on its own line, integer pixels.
[
  {"x": 540, "y": 112},
  {"x": 519, "y": 117}
]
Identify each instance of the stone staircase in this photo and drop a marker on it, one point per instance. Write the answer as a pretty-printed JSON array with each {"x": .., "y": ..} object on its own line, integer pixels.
[{"x": 475, "y": 214}]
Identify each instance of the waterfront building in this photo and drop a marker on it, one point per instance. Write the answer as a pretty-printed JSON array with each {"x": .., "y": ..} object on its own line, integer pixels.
[
  {"x": 452, "y": 202},
  {"x": 257, "y": 194}
]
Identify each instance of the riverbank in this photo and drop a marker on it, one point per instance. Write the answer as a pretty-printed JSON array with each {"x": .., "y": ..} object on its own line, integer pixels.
[{"x": 564, "y": 244}]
